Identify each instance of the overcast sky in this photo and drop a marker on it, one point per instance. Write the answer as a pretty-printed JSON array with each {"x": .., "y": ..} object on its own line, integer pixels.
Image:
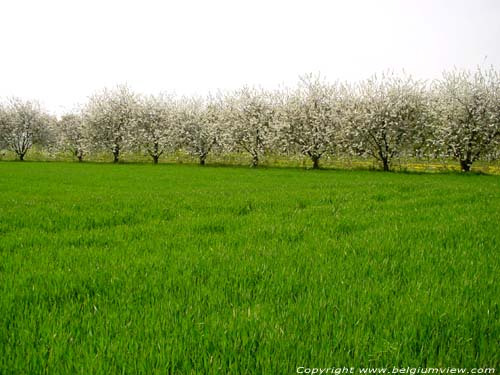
[{"x": 61, "y": 51}]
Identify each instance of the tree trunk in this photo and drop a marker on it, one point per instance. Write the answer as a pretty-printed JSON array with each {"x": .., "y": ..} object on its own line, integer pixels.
[
  {"x": 21, "y": 157},
  {"x": 385, "y": 163},
  {"x": 315, "y": 160},
  {"x": 116, "y": 155},
  {"x": 202, "y": 160},
  {"x": 465, "y": 165},
  {"x": 255, "y": 161},
  {"x": 156, "y": 154},
  {"x": 79, "y": 155}
]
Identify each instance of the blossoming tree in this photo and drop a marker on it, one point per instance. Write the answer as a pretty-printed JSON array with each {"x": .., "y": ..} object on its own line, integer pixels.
[
  {"x": 71, "y": 135},
  {"x": 109, "y": 119},
  {"x": 467, "y": 107},
  {"x": 249, "y": 121},
  {"x": 200, "y": 125},
  {"x": 310, "y": 117},
  {"x": 157, "y": 126},
  {"x": 23, "y": 123},
  {"x": 385, "y": 116}
]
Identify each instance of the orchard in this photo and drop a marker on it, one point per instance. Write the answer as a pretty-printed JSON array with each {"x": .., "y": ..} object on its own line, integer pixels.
[{"x": 383, "y": 118}]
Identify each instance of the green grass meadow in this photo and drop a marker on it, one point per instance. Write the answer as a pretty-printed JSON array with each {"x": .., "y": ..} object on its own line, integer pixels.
[{"x": 180, "y": 269}]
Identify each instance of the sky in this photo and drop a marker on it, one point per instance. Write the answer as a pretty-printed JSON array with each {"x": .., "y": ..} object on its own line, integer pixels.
[{"x": 60, "y": 52}]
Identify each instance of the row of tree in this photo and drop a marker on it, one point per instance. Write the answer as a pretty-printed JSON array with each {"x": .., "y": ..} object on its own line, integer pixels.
[{"x": 387, "y": 117}]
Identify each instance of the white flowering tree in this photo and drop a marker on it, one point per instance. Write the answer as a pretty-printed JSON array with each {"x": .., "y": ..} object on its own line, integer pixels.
[
  {"x": 109, "y": 119},
  {"x": 200, "y": 126},
  {"x": 386, "y": 116},
  {"x": 156, "y": 129},
  {"x": 3, "y": 126},
  {"x": 249, "y": 120},
  {"x": 23, "y": 123},
  {"x": 71, "y": 135},
  {"x": 311, "y": 118},
  {"x": 467, "y": 107}
]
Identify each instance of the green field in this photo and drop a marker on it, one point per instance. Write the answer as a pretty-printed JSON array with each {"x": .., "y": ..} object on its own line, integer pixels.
[{"x": 180, "y": 269}]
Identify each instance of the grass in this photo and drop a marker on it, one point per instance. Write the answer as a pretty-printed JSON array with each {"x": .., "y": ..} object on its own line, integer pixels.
[{"x": 180, "y": 269}]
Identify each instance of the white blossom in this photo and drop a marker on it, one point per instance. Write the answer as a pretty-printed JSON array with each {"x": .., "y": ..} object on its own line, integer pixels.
[
  {"x": 71, "y": 134},
  {"x": 249, "y": 120},
  {"x": 156, "y": 129},
  {"x": 109, "y": 118},
  {"x": 467, "y": 109},
  {"x": 200, "y": 125},
  {"x": 22, "y": 124},
  {"x": 385, "y": 117},
  {"x": 311, "y": 117}
]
